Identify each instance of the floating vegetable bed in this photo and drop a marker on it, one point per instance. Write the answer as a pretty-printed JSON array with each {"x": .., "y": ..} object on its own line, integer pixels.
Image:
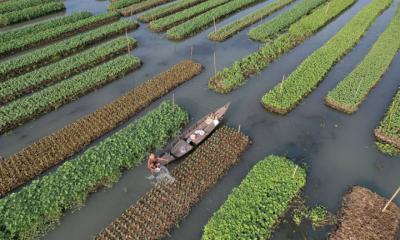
[
  {"x": 270, "y": 29},
  {"x": 56, "y": 72},
  {"x": 388, "y": 131},
  {"x": 42, "y": 26},
  {"x": 167, "y": 10},
  {"x": 255, "y": 207},
  {"x": 165, "y": 23},
  {"x": 361, "y": 217},
  {"x": 290, "y": 92},
  {"x": 38, "y": 207},
  {"x": 231, "y": 29},
  {"x": 354, "y": 89},
  {"x": 30, "y": 13},
  {"x": 26, "y": 109},
  {"x": 55, "y": 33},
  {"x": 53, "y": 149},
  {"x": 17, "y": 5},
  {"x": 114, "y": 5},
  {"x": 233, "y": 77},
  {"x": 142, "y": 6},
  {"x": 158, "y": 211},
  {"x": 206, "y": 19},
  {"x": 37, "y": 58}
]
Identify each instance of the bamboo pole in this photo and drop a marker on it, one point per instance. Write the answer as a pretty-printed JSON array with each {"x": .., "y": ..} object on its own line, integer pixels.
[
  {"x": 391, "y": 199},
  {"x": 215, "y": 27},
  {"x": 191, "y": 52},
  {"x": 239, "y": 128},
  {"x": 295, "y": 170},
  {"x": 215, "y": 65}
]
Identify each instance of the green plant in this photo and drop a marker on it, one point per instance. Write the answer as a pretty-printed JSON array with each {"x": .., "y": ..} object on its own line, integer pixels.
[
  {"x": 270, "y": 29},
  {"x": 56, "y": 72},
  {"x": 290, "y": 92},
  {"x": 204, "y": 20},
  {"x": 122, "y": 3},
  {"x": 28, "y": 108},
  {"x": 16, "y": 5},
  {"x": 349, "y": 94},
  {"x": 233, "y": 77},
  {"x": 230, "y": 29},
  {"x": 167, "y": 10},
  {"x": 255, "y": 207},
  {"x": 165, "y": 23},
  {"x": 38, "y": 207}
]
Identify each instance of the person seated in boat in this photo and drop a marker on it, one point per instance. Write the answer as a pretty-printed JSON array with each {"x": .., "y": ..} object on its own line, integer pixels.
[{"x": 154, "y": 163}]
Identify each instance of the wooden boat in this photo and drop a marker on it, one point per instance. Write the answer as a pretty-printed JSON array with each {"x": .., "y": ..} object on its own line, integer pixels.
[{"x": 195, "y": 135}]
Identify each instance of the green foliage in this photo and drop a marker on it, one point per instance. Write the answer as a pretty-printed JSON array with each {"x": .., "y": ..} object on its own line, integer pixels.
[
  {"x": 122, "y": 3},
  {"x": 42, "y": 26},
  {"x": 61, "y": 49},
  {"x": 319, "y": 216},
  {"x": 167, "y": 10},
  {"x": 15, "y": 87},
  {"x": 291, "y": 91},
  {"x": 255, "y": 207},
  {"x": 236, "y": 75},
  {"x": 270, "y": 29},
  {"x": 388, "y": 149},
  {"x": 54, "y": 32},
  {"x": 165, "y": 23},
  {"x": 353, "y": 90},
  {"x": 50, "y": 98},
  {"x": 200, "y": 22},
  {"x": 30, "y": 13},
  {"x": 236, "y": 26},
  {"x": 38, "y": 207},
  {"x": 16, "y": 5}
]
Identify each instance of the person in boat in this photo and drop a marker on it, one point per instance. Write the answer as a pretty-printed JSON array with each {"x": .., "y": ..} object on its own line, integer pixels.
[{"x": 154, "y": 163}]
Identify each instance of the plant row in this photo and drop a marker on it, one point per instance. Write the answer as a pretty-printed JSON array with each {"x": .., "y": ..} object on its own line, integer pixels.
[
  {"x": 388, "y": 130},
  {"x": 161, "y": 209},
  {"x": 354, "y": 89},
  {"x": 38, "y": 207},
  {"x": 255, "y": 207},
  {"x": 57, "y": 33},
  {"x": 56, "y": 72},
  {"x": 142, "y": 6},
  {"x": 37, "y": 58},
  {"x": 270, "y": 29},
  {"x": 122, "y": 3},
  {"x": 167, "y": 10},
  {"x": 53, "y": 149},
  {"x": 290, "y": 92},
  {"x": 42, "y": 26},
  {"x": 51, "y": 98},
  {"x": 233, "y": 77},
  {"x": 229, "y": 30},
  {"x": 206, "y": 19},
  {"x": 27, "y": 14},
  {"x": 165, "y": 23},
  {"x": 12, "y": 6}
]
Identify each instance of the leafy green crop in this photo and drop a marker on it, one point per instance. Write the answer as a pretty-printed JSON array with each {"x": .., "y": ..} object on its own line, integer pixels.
[
  {"x": 140, "y": 7},
  {"x": 354, "y": 89},
  {"x": 165, "y": 23},
  {"x": 290, "y": 92},
  {"x": 270, "y": 29},
  {"x": 48, "y": 99},
  {"x": 234, "y": 27},
  {"x": 35, "y": 59},
  {"x": 236, "y": 75},
  {"x": 42, "y": 26},
  {"x": 30, "y": 13},
  {"x": 55, "y": 33},
  {"x": 15, "y": 5},
  {"x": 255, "y": 207},
  {"x": 122, "y": 3},
  {"x": 388, "y": 131},
  {"x": 200, "y": 22},
  {"x": 167, "y": 10},
  {"x": 39, "y": 206},
  {"x": 53, "y": 73}
]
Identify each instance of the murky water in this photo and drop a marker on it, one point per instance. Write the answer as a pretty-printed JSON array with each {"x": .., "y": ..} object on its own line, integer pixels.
[{"x": 338, "y": 149}]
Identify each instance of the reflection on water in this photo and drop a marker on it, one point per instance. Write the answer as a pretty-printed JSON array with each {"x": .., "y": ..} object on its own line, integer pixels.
[{"x": 338, "y": 149}]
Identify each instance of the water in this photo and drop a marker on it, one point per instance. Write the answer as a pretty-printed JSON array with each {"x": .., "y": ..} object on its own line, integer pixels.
[{"x": 338, "y": 149}]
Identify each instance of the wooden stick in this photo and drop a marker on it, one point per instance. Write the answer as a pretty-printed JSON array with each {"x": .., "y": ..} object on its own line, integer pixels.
[
  {"x": 173, "y": 98},
  {"x": 327, "y": 8},
  {"x": 215, "y": 27},
  {"x": 215, "y": 65},
  {"x": 127, "y": 39},
  {"x": 191, "y": 52},
  {"x": 391, "y": 199},
  {"x": 295, "y": 170},
  {"x": 239, "y": 128}
]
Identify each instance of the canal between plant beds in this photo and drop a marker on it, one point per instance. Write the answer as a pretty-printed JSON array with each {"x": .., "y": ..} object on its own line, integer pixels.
[{"x": 338, "y": 149}]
